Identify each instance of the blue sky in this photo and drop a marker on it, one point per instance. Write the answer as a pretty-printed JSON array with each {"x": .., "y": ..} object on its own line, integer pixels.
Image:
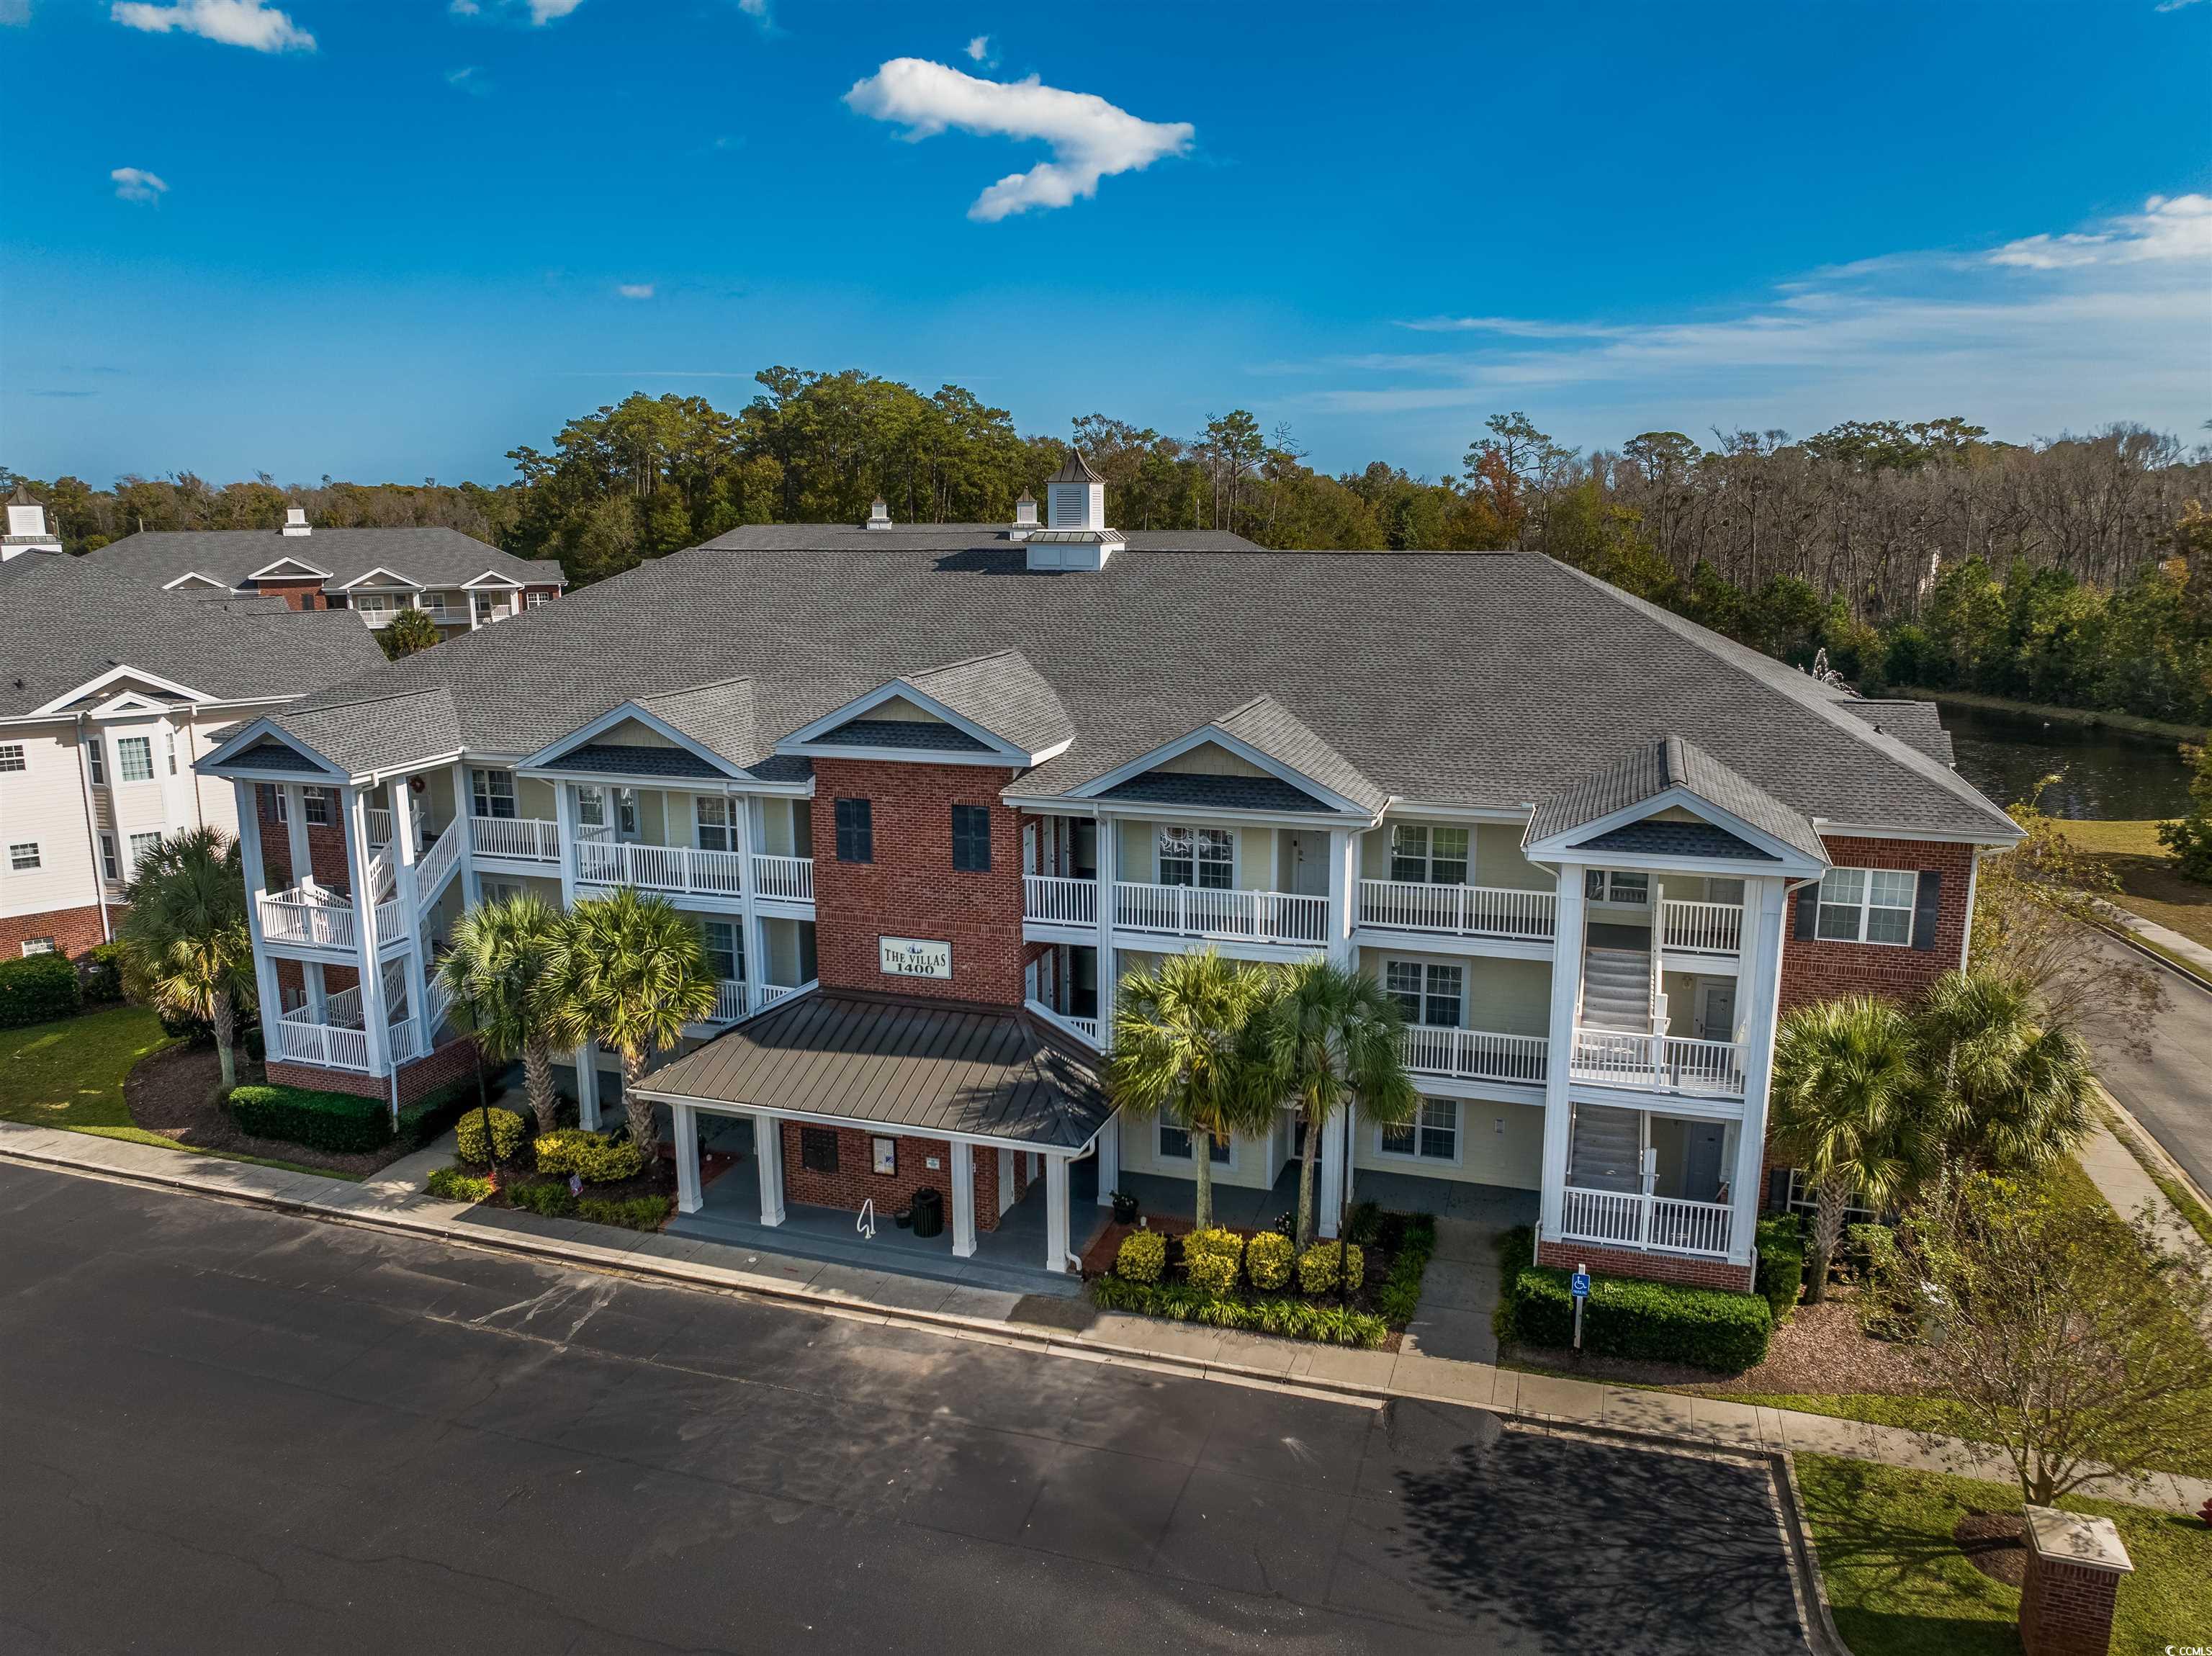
[{"x": 392, "y": 239}]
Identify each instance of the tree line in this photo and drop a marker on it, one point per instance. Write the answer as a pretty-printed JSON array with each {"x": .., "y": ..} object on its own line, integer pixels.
[{"x": 1924, "y": 553}]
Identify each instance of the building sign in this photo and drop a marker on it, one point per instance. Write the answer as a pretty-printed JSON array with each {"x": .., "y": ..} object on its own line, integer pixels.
[{"x": 915, "y": 957}]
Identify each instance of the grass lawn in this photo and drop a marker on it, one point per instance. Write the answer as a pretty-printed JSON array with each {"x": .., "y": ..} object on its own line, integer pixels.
[
  {"x": 1900, "y": 1587},
  {"x": 2149, "y": 884}
]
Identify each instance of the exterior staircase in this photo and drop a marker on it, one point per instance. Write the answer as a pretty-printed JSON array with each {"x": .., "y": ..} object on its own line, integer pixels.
[
  {"x": 1607, "y": 1150},
  {"x": 1617, "y": 990}
]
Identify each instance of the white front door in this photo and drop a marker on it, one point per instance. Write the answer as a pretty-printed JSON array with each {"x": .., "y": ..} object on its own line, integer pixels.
[{"x": 1307, "y": 874}]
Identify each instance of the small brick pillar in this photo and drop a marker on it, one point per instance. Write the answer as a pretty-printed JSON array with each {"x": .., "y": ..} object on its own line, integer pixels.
[{"x": 2074, "y": 1570}]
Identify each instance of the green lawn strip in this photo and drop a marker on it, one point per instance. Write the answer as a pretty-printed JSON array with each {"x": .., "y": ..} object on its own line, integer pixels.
[
  {"x": 2184, "y": 1199},
  {"x": 70, "y": 1073},
  {"x": 1898, "y": 1586},
  {"x": 140, "y": 1136}
]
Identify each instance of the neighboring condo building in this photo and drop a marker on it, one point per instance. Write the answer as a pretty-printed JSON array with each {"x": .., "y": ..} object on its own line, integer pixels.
[
  {"x": 110, "y": 692},
  {"x": 458, "y": 581},
  {"x": 933, "y": 790}
]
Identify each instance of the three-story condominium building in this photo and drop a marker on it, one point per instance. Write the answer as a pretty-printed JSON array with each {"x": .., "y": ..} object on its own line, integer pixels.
[
  {"x": 457, "y": 580},
  {"x": 931, "y": 790},
  {"x": 110, "y": 691}
]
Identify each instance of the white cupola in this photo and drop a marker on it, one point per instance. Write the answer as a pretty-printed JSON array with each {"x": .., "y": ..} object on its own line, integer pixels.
[
  {"x": 880, "y": 515},
  {"x": 1075, "y": 535},
  {"x": 295, "y": 521},
  {"x": 1076, "y": 495},
  {"x": 1026, "y": 517},
  {"x": 27, "y": 526}
]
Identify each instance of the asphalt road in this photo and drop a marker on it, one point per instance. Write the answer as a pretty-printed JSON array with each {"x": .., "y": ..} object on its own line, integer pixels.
[
  {"x": 2169, "y": 1092},
  {"x": 223, "y": 1430}
]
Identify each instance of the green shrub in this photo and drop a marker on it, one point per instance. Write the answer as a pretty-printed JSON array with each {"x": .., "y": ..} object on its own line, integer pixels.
[
  {"x": 549, "y": 1199},
  {"x": 1649, "y": 1322},
  {"x": 1216, "y": 1241},
  {"x": 1363, "y": 1226},
  {"x": 100, "y": 972},
  {"x": 1209, "y": 1271},
  {"x": 507, "y": 1129},
  {"x": 342, "y": 1124},
  {"x": 457, "y": 1184},
  {"x": 1293, "y": 1318},
  {"x": 1318, "y": 1266},
  {"x": 1268, "y": 1259},
  {"x": 632, "y": 1213},
  {"x": 1142, "y": 1256},
  {"x": 424, "y": 1122},
  {"x": 1781, "y": 1264},
  {"x": 38, "y": 989},
  {"x": 1401, "y": 1295},
  {"x": 1868, "y": 1247},
  {"x": 598, "y": 1158}
]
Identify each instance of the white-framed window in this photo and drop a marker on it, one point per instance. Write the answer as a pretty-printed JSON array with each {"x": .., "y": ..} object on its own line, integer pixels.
[
  {"x": 22, "y": 855},
  {"x": 1206, "y": 858},
  {"x": 1175, "y": 1144},
  {"x": 1802, "y": 1200},
  {"x": 626, "y": 813},
  {"x": 711, "y": 816},
  {"x": 435, "y": 603},
  {"x": 487, "y": 608},
  {"x": 1615, "y": 885},
  {"x": 591, "y": 808},
  {"x": 537, "y": 600},
  {"x": 500, "y": 891},
  {"x": 1432, "y": 1135},
  {"x": 110, "y": 867},
  {"x": 1426, "y": 994},
  {"x": 315, "y": 807},
  {"x": 95, "y": 761},
  {"x": 169, "y": 743},
  {"x": 134, "y": 758},
  {"x": 491, "y": 793},
  {"x": 1867, "y": 904},
  {"x": 725, "y": 949},
  {"x": 374, "y": 603},
  {"x": 37, "y": 946},
  {"x": 143, "y": 846},
  {"x": 11, "y": 757},
  {"x": 1422, "y": 854},
  {"x": 280, "y": 810}
]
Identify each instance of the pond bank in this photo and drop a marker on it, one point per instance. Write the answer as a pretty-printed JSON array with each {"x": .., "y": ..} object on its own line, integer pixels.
[{"x": 2133, "y": 724}]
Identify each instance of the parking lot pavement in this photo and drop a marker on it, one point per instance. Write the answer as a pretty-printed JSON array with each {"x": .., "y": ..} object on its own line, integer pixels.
[{"x": 226, "y": 1429}]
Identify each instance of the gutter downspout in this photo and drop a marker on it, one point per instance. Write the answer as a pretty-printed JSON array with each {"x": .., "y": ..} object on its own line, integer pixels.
[{"x": 92, "y": 835}]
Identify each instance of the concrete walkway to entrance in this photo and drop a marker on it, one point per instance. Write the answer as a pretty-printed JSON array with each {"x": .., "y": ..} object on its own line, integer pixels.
[{"x": 964, "y": 1312}]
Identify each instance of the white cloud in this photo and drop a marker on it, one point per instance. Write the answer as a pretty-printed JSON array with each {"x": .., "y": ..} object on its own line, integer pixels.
[
  {"x": 250, "y": 23},
  {"x": 463, "y": 7},
  {"x": 979, "y": 51},
  {"x": 469, "y": 79},
  {"x": 1090, "y": 138},
  {"x": 14, "y": 11},
  {"x": 2168, "y": 227},
  {"x": 634, "y": 289},
  {"x": 542, "y": 12},
  {"x": 135, "y": 183}
]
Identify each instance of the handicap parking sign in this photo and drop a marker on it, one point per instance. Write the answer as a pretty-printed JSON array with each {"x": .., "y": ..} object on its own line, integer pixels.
[{"x": 1578, "y": 1285}]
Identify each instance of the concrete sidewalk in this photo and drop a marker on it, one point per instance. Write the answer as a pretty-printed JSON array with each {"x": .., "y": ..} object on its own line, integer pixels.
[{"x": 969, "y": 1313}]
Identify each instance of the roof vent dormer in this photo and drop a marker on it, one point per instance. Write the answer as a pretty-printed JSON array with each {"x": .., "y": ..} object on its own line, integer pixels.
[
  {"x": 880, "y": 515},
  {"x": 27, "y": 526},
  {"x": 1075, "y": 536},
  {"x": 295, "y": 521}
]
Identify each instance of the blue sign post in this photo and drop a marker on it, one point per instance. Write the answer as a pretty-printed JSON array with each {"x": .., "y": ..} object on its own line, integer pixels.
[{"x": 1578, "y": 1285}]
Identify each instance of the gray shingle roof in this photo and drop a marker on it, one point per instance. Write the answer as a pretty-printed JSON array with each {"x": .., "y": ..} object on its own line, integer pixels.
[
  {"x": 1226, "y": 792},
  {"x": 613, "y": 759},
  {"x": 1648, "y": 770},
  {"x": 1268, "y": 726},
  {"x": 1525, "y": 674},
  {"x": 1003, "y": 694},
  {"x": 1678, "y": 840},
  {"x": 718, "y": 717},
  {"x": 64, "y": 622},
  {"x": 403, "y": 724},
  {"x": 951, "y": 538},
  {"x": 432, "y": 557},
  {"x": 932, "y": 736},
  {"x": 1917, "y": 724},
  {"x": 919, "y": 1067}
]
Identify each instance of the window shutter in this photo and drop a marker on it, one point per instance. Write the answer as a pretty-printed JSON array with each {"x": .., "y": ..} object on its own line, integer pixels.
[
  {"x": 1808, "y": 909},
  {"x": 1777, "y": 1190},
  {"x": 1926, "y": 907}
]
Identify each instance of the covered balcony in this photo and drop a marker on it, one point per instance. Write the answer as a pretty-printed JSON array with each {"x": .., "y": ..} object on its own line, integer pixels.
[
  {"x": 603, "y": 860},
  {"x": 315, "y": 917},
  {"x": 1220, "y": 915},
  {"x": 736, "y": 998},
  {"x": 1708, "y": 930},
  {"x": 338, "y": 1039},
  {"x": 1658, "y": 1062},
  {"x": 1477, "y": 1055},
  {"x": 1639, "y": 1180},
  {"x": 1505, "y": 912}
]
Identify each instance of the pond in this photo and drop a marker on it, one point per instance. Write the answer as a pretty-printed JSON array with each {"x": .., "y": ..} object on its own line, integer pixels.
[{"x": 2104, "y": 773}]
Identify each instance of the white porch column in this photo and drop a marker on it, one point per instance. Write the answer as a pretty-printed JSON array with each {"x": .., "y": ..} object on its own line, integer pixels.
[
  {"x": 684, "y": 1126},
  {"x": 768, "y": 1155},
  {"x": 1567, "y": 999},
  {"x": 1056, "y": 1213},
  {"x": 963, "y": 1199},
  {"x": 587, "y": 1085},
  {"x": 318, "y": 993},
  {"x": 564, "y": 809},
  {"x": 1329, "y": 1175},
  {"x": 409, "y": 890},
  {"x": 354, "y": 805},
  {"x": 745, "y": 831},
  {"x": 1005, "y": 1161},
  {"x": 1109, "y": 1159},
  {"x": 1343, "y": 889},
  {"x": 1109, "y": 972},
  {"x": 1765, "y": 911},
  {"x": 465, "y": 808},
  {"x": 296, "y": 827},
  {"x": 270, "y": 993}
]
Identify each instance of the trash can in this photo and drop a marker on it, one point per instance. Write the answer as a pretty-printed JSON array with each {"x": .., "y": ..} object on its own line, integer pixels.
[{"x": 928, "y": 1212}]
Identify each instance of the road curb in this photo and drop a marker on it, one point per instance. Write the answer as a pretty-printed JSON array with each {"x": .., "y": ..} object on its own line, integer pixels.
[{"x": 2187, "y": 975}]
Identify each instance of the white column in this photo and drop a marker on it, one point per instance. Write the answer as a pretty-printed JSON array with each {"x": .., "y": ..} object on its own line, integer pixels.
[
  {"x": 1005, "y": 1161},
  {"x": 684, "y": 1125},
  {"x": 963, "y": 1199},
  {"x": 354, "y": 805},
  {"x": 471, "y": 893},
  {"x": 745, "y": 831},
  {"x": 1343, "y": 889},
  {"x": 256, "y": 883},
  {"x": 319, "y": 994},
  {"x": 295, "y": 825},
  {"x": 1329, "y": 1175},
  {"x": 768, "y": 1155},
  {"x": 1567, "y": 997},
  {"x": 1109, "y": 971},
  {"x": 587, "y": 1086},
  {"x": 1765, "y": 911},
  {"x": 1056, "y": 1213},
  {"x": 564, "y": 809},
  {"x": 410, "y": 893},
  {"x": 1109, "y": 1159}
]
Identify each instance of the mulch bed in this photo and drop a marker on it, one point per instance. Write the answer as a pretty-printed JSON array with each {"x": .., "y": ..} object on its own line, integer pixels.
[
  {"x": 1822, "y": 1349},
  {"x": 1995, "y": 1543},
  {"x": 177, "y": 1093}
]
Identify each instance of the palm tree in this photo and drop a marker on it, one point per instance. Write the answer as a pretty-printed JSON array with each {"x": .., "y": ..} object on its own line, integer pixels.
[
  {"x": 184, "y": 934},
  {"x": 1326, "y": 1036},
  {"x": 2010, "y": 1095},
  {"x": 1182, "y": 1044},
  {"x": 409, "y": 632},
  {"x": 629, "y": 974},
  {"x": 499, "y": 968},
  {"x": 1848, "y": 1107}
]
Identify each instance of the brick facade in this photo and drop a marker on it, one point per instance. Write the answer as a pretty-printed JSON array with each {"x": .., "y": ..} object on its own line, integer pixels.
[
  {"x": 911, "y": 889},
  {"x": 73, "y": 931},
  {"x": 856, "y": 1181},
  {"x": 306, "y": 593},
  {"x": 326, "y": 846},
  {"x": 1654, "y": 1267},
  {"x": 451, "y": 1061},
  {"x": 2065, "y": 1609},
  {"x": 1813, "y": 970}
]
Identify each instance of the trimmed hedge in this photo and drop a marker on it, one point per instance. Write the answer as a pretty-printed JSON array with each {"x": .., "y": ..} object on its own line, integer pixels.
[
  {"x": 1142, "y": 1256},
  {"x": 1210, "y": 1271},
  {"x": 1268, "y": 1258},
  {"x": 457, "y": 1184},
  {"x": 1318, "y": 1266},
  {"x": 38, "y": 989},
  {"x": 635, "y": 1213},
  {"x": 424, "y": 1122},
  {"x": 1650, "y": 1322},
  {"x": 342, "y": 1124},
  {"x": 100, "y": 972},
  {"x": 1216, "y": 1241},
  {"x": 1781, "y": 1264},
  {"x": 1295, "y": 1319},
  {"x": 596, "y": 1158},
  {"x": 1401, "y": 1293},
  {"x": 507, "y": 1132}
]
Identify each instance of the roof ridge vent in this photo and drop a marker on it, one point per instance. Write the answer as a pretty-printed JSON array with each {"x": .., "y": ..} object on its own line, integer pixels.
[
  {"x": 1026, "y": 517},
  {"x": 295, "y": 521},
  {"x": 880, "y": 515}
]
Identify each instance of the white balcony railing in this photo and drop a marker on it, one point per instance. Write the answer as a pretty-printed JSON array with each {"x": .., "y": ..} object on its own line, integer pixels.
[
  {"x": 518, "y": 838},
  {"x": 380, "y": 826},
  {"x": 1229, "y": 915},
  {"x": 1660, "y": 1224},
  {"x": 326, "y": 1046},
  {"x": 783, "y": 879},
  {"x": 1660, "y": 1062},
  {"x": 1459, "y": 911},
  {"x": 324, "y": 919},
  {"x": 1477, "y": 1055},
  {"x": 1057, "y": 901},
  {"x": 735, "y": 998},
  {"x": 1082, "y": 1029},
  {"x": 1701, "y": 928},
  {"x": 660, "y": 868}
]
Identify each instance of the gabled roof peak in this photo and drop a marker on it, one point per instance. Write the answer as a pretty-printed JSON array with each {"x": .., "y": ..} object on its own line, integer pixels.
[{"x": 1075, "y": 470}]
